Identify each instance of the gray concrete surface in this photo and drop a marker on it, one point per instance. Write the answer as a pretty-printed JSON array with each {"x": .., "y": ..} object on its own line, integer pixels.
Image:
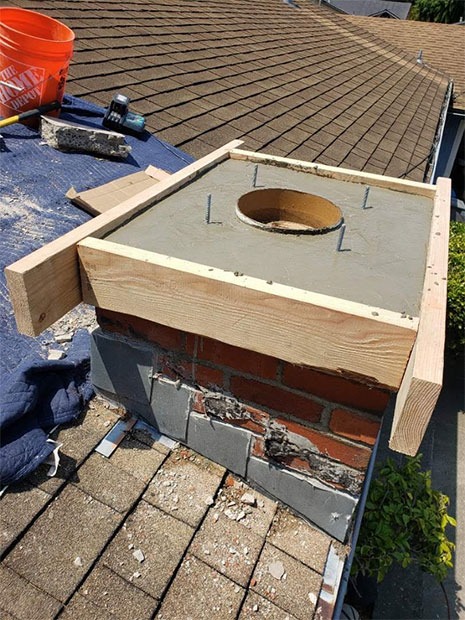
[
  {"x": 385, "y": 244},
  {"x": 407, "y": 593}
]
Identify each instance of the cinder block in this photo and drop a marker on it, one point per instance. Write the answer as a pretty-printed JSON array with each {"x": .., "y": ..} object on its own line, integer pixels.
[
  {"x": 325, "y": 506},
  {"x": 120, "y": 367},
  {"x": 170, "y": 409},
  {"x": 222, "y": 443}
]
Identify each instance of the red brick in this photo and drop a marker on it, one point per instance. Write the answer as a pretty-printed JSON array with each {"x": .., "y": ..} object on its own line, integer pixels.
[
  {"x": 335, "y": 389},
  {"x": 353, "y": 456},
  {"x": 301, "y": 465},
  {"x": 354, "y": 426},
  {"x": 190, "y": 342},
  {"x": 255, "y": 421},
  {"x": 175, "y": 368},
  {"x": 190, "y": 371},
  {"x": 250, "y": 425},
  {"x": 258, "y": 447},
  {"x": 276, "y": 398},
  {"x": 198, "y": 403},
  {"x": 206, "y": 376},
  {"x": 239, "y": 359},
  {"x": 132, "y": 326}
]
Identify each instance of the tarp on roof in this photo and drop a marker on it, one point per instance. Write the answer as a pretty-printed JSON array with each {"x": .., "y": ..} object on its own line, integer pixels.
[{"x": 36, "y": 394}]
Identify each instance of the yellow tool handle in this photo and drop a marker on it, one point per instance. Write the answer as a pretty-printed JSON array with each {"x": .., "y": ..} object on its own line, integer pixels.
[
  {"x": 9, "y": 121},
  {"x": 42, "y": 109}
]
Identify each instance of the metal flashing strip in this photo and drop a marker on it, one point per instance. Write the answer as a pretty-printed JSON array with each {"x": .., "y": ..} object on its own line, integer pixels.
[
  {"x": 358, "y": 522},
  {"x": 156, "y": 436},
  {"x": 114, "y": 437},
  {"x": 331, "y": 585},
  {"x": 442, "y": 124}
]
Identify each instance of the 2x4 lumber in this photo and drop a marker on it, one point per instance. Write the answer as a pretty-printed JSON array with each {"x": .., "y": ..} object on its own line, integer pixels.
[
  {"x": 298, "y": 326},
  {"x": 45, "y": 285},
  {"x": 422, "y": 382},
  {"x": 341, "y": 174},
  {"x": 104, "y": 197}
]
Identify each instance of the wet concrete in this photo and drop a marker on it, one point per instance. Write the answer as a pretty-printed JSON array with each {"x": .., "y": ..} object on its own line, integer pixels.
[{"x": 384, "y": 249}]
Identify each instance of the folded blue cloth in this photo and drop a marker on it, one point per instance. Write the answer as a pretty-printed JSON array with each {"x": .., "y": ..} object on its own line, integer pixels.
[{"x": 35, "y": 398}]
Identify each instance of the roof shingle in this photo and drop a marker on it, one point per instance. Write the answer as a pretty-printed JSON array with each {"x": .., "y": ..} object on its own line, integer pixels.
[
  {"x": 442, "y": 45},
  {"x": 300, "y": 82}
]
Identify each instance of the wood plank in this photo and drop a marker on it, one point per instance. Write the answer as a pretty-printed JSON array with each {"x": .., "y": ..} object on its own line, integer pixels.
[
  {"x": 341, "y": 174},
  {"x": 298, "y": 326},
  {"x": 104, "y": 197},
  {"x": 422, "y": 382},
  {"x": 45, "y": 284}
]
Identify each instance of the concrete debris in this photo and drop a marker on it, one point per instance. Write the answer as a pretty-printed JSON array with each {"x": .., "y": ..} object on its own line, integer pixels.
[
  {"x": 276, "y": 569},
  {"x": 62, "y": 338},
  {"x": 209, "y": 500},
  {"x": 55, "y": 354},
  {"x": 67, "y": 136},
  {"x": 248, "y": 499},
  {"x": 77, "y": 562},
  {"x": 240, "y": 516},
  {"x": 138, "y": 555},
  {"x": 255, "y": 607},
  {"x": 130, "y": 546},
  {"x": 312, "y": 598},
  {"x": 230, "y": 514}
]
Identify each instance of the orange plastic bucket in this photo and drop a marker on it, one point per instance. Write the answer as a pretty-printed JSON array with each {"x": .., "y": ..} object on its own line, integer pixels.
[{"x": 35, "y": 51}]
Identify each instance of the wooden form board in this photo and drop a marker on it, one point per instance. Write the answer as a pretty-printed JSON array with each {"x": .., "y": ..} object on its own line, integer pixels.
[
  {"x": 341, "y": 174},
  {"x": 298, "y": 326},
  {"x": 45, "y": 285},
  {"x": 104, "y": 197},
  {"x": 422, "y": 382}
]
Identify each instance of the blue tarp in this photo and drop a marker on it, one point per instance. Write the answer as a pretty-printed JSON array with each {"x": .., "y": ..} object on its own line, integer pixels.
[{"x": 33, "y": 181}]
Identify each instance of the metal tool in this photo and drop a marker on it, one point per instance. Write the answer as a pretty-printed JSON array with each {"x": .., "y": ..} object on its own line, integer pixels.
[
  {"x": 42, "y": 109},
  {"x": 10, "y": 85},
  {"x": 119, "y": 118}
]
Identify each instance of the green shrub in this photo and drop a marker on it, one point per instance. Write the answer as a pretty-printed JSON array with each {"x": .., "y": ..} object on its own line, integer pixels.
[
  {"x": 404, "y": 521},
  {"x": 456, "y": 288}
]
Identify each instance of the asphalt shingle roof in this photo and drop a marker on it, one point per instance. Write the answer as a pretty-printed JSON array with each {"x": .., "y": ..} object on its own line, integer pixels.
[
  {"x": 371, "y": 7},
  {"x": 299, "y": 82},
  {"x": 443, "y": 45}
]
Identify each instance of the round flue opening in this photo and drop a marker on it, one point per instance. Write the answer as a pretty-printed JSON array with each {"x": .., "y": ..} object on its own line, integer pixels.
[{"x": 288, "y": 211}]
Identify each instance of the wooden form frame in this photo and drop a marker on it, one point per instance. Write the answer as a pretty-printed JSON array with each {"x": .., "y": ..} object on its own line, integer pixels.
[
  {"x": 45, "y": 284},
  {"x": 298, "y": 326},
  {"x": 422, "y": 381},
  {"x": 323, "y": 332}
]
